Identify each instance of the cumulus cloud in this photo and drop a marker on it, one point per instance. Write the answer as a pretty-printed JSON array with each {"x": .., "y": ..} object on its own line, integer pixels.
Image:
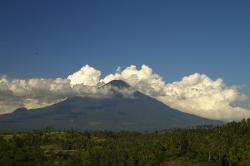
[
  {"x": 143, "y": 79},
  {"x": 195, "y": 94},
  {"x": 35, "y": 93},
  {"x": 198, "y": 94},
  {"x": 87, "y": 75}
]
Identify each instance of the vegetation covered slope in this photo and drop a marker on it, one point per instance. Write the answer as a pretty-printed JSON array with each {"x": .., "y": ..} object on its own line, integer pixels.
[{"x": 223, "y": 145}]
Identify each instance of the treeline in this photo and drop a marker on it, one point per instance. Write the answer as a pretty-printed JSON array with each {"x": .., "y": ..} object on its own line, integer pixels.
[{"x": 205, "y": 145}]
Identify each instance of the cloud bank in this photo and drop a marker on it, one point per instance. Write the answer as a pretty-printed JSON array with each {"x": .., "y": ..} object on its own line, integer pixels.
[{"x": 195, "y": 94}]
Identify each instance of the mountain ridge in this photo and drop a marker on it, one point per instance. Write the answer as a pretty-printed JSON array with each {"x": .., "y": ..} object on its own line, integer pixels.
[{"x": 138, "y": 113}]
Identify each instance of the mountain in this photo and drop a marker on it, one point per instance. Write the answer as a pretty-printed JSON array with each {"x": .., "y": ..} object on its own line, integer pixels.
[
  {"x": 118, "y": 84},
  {"x": 137, "y": 113}
]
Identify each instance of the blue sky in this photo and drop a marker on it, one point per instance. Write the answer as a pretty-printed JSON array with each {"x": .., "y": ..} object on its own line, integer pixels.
[{"x": 53, "y": 38}]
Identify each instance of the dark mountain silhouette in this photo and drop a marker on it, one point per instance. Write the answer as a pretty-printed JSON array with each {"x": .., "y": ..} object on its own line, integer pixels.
[
  {"x": 118, "y": 84},
  {"x": 137, "y": 113}
]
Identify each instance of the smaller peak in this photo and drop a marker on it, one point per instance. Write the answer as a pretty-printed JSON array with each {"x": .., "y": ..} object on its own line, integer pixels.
[
  {"x": 74, "y": 98},
  {"x": 118, "y": 84},
  {"x": 20, "y": 110}
]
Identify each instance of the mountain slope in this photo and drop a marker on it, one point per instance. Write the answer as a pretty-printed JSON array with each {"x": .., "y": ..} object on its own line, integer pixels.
[{"x": 139, "y": 113}]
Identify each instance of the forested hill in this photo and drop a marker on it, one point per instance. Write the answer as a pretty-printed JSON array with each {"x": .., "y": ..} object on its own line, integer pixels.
[{"x": 223, "y": 145}]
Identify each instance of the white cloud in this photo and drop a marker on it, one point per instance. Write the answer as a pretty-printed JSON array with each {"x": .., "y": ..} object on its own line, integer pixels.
[
  {"x": 144, "y": 79},
  {"x": 35, "y": 93},
  {"x": 87, "y": 75},
  {"x": 196, "y": 94}
]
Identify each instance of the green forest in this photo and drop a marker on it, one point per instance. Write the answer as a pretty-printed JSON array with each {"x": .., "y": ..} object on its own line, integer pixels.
[{"x": 227, "y": 144}]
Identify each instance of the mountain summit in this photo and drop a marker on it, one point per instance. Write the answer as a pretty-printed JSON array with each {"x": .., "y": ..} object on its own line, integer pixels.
[
  {"x": 138, "y": 113},
  {"x": 118, "y": 84}
]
